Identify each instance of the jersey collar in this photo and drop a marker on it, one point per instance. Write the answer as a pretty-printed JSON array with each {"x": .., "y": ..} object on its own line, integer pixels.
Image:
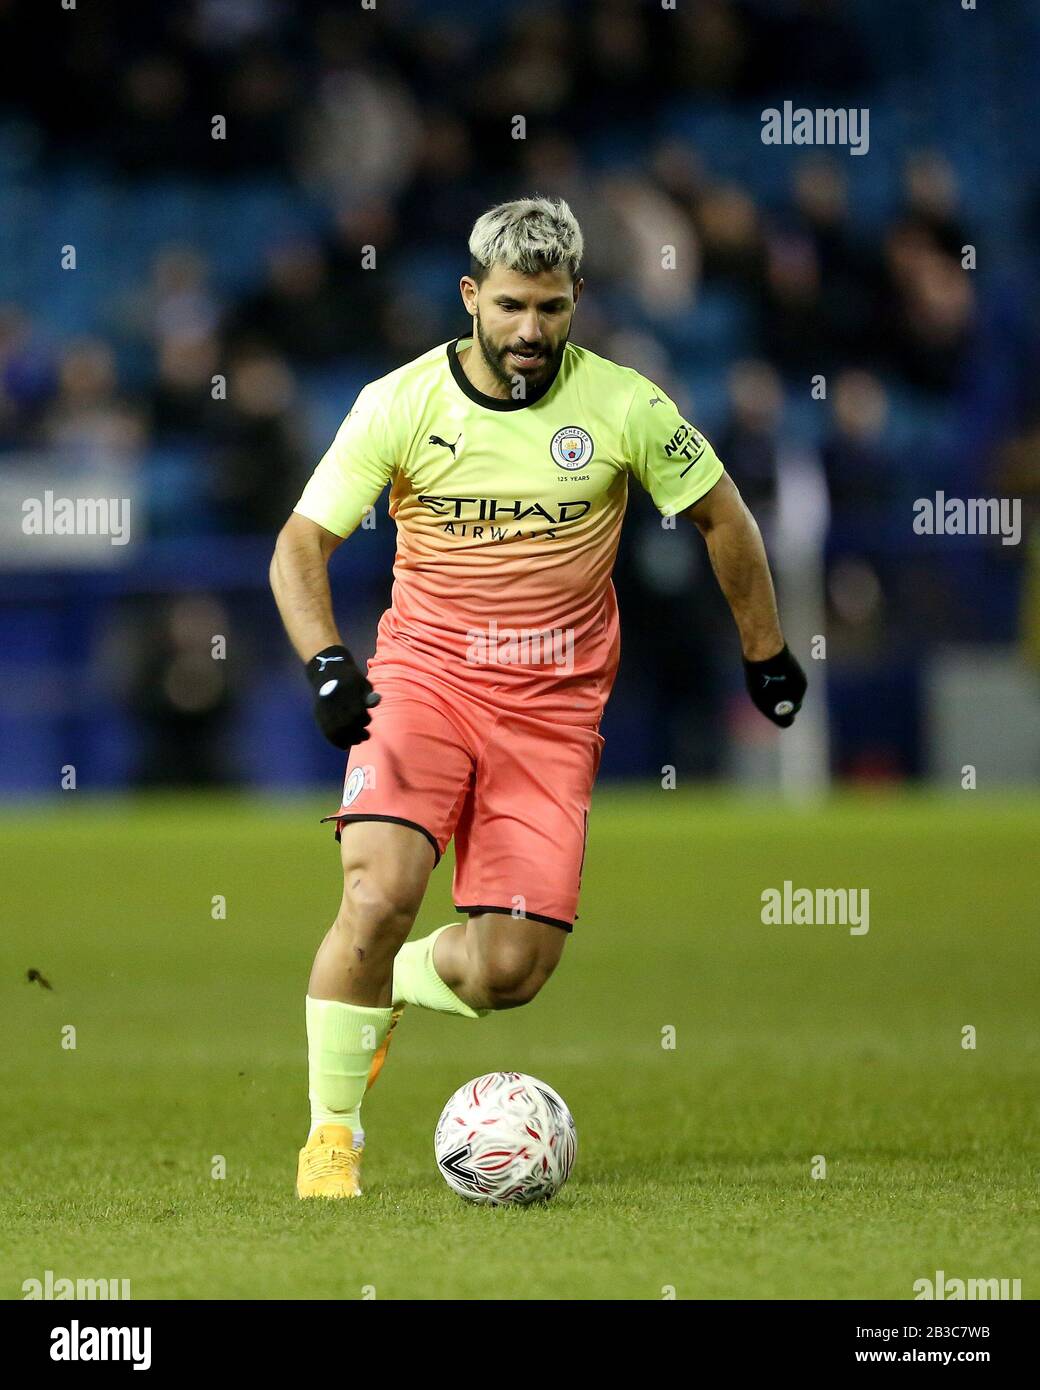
[{"x": 493, "y": 402}]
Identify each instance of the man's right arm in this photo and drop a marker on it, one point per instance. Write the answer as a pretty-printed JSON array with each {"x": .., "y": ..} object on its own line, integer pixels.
[
  {"x": 350, "y": 476},
  {"x": 300, "y": 584}
]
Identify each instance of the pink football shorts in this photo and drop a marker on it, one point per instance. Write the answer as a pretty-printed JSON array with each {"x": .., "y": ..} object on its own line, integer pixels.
[{"x": 513, "y": 790}]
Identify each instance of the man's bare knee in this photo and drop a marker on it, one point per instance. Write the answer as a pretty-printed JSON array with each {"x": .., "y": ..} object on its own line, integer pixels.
[
  {"x": 515, "y": 964},
  {"x": 384, "y": 879},
  {"x": 373, "y": 908}
]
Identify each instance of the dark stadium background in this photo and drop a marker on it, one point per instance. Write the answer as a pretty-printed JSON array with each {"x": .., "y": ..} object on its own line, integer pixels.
[{"x": 242, "y": 257}]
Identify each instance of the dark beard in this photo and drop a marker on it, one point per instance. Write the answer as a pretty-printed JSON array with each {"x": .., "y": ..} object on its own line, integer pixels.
[{"x": 494, "y": 360}]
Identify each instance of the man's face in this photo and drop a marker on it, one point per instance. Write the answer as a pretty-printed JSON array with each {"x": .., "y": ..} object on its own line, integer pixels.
[{"x": 522, "y": 322}]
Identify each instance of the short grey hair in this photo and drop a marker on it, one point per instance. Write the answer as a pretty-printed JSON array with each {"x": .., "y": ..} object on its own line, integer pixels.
[{"x": 528, "y": 235}]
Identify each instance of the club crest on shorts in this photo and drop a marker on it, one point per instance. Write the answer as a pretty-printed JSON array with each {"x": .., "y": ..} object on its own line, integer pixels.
[
  {"x": 571, "y": 447},
  {"x": 353, "y": 786}
]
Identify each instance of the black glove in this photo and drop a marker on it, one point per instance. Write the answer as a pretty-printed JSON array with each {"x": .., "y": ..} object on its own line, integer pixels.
[
  {"x": 342, "y": 697},
  {"x": 777, "y": 686}
]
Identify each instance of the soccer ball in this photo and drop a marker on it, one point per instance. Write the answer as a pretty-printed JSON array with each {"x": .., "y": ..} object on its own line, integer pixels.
[{"x": 505, "y": 1138}]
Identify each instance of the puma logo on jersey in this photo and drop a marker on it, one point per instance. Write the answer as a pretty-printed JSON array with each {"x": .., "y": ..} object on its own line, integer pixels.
[
  {"x": 443, "y": 443},
  {"x": 656, "y": 400}
]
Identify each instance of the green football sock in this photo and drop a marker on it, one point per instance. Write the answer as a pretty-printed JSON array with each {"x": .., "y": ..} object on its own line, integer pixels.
[
  {"x": 416, "y": 980},
  {"x": 341, "y": 1040}
]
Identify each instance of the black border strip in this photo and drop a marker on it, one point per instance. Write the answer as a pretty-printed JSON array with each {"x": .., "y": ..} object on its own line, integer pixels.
[
  {"x": 508, "y": 912},
  {"x": 391, "y": 820}
]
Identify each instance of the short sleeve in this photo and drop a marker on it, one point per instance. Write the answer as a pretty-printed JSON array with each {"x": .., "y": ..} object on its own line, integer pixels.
[
  {"x": 672, "y": 460},
  {"x": 357, "y": 466}
]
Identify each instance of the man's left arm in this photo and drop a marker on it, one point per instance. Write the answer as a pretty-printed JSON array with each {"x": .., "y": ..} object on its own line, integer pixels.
[
  {"x": 775, "y": 680},
  {"x": 682, "y": 473}
]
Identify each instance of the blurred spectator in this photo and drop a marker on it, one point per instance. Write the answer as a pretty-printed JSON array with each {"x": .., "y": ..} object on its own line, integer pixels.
[
  {"x": 796, "y": 329},
  {"x": 855, "y": 605},
  {"x": 859, "y": 468},
  {"x": 932, "y": 197},
  {"x": 617, "y": 60},
  {"x": 530, "y": 73},
  {"x": 150, "y": 129},
  {"x": 709, "y": 48},
  {"x": 442, "y": 200},
  {"x": 28, "y": 376},
  {"x": 224, "y": 25},
  {"x": 648, "y": 222},
  {"x": 88, "y": 413},
  {"x": 176, "y": 302},
  {"x": 180, "y": 693},
  {"x": 679, "y": 169},
  {"x": 361, "y": 292},
  {"x": 850, "y": 272},
  {"x": 183, "y": 405},
  {"x": 261, "y": 99},
  {"x": 297, "y": 312},
  {"x": 927, "y": 315},
  {"x": 360, "y": 133},
  {"x": 259, "y": 460},
  {"x": 749, "y": 441},
  {"x": 731, "y": 236},
  {"x": 856, "y": 460}
]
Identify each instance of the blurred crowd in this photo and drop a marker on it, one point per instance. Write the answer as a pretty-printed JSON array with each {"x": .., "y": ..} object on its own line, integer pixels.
[
  {"x": 393, "y": 129},
  {"x": 396, "y": 124}
]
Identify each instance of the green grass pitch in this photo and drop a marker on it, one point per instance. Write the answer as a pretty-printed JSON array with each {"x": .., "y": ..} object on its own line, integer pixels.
[{"x": 694, "y": 1162}]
